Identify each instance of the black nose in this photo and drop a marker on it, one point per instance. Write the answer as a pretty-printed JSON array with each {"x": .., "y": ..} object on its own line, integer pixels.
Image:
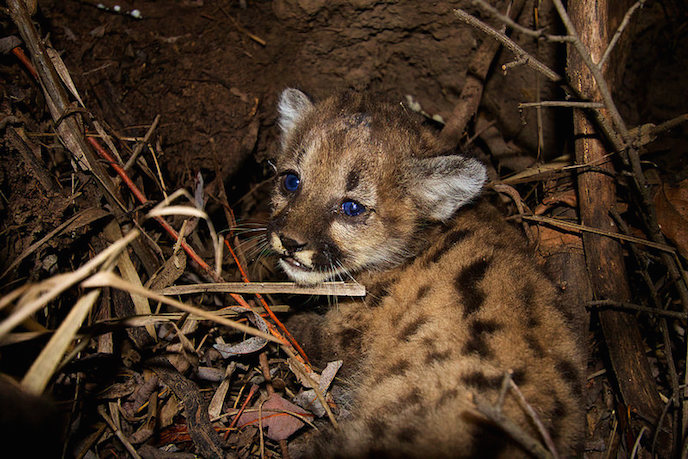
[{"x": 291, "y": 245}]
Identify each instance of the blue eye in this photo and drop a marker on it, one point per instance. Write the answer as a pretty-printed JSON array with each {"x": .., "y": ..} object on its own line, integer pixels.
[
  {"x": 291, "y": 182},
  {"x": 352, "y": 208}
]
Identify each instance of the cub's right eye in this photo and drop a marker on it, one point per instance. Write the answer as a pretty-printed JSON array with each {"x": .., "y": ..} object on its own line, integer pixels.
[{"x": 290, "y": 182}]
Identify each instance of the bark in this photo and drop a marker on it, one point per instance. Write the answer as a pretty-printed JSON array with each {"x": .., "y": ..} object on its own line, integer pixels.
[{"x": 597, "y": 194}]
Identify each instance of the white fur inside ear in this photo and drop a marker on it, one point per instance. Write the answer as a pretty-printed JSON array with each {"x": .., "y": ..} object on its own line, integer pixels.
[
  {"x": 445, "y": 183},
  {"x": 293, "y": 105}
]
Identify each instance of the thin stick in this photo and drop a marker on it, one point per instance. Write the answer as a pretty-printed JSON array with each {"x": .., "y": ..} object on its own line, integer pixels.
[
  {"x": 589, "y": 229},
  {"x": 139, "y": 146},
  {"x": 636, "y": 445},
  {"x": 118, "y": 433},
  {"x": 509, "y": 44},
  {"x": 539, "y": 33},
  {"x": 518, "y": 201},
  {"x": 561, "y": 103},
  {"x": 636, "y": 307},
  {"x": 535, "y": 418},
  {"x": 619, "y": 31},
  {"x": 496, "y": 415},
  {"x": 267, "y": 308},
  {"x": 326, "y": 288}
]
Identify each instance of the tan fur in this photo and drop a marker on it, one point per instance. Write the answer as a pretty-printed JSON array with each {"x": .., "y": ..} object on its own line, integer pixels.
[{"x": 451, "y": 305}]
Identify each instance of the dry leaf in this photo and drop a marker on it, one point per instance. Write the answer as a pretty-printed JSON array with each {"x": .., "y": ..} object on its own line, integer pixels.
[
  {"x": 248, "y": 346},
  {"x": 308, "y": 399},
  {"x": 552, "y": 240},
  {"x": 671, "y": 203},
  {"x": 280, "y": 425}
]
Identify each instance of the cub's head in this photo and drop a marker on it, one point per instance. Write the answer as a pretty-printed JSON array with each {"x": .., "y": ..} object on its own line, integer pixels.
[{"x": 355, "y": 182}]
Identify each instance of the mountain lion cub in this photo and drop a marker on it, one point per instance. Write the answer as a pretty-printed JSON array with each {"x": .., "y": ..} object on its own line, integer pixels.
[{"x": 454, "y": 299}]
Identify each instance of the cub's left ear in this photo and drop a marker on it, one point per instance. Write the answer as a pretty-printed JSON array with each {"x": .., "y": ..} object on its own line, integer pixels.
[{"x": 442, "y": 184}]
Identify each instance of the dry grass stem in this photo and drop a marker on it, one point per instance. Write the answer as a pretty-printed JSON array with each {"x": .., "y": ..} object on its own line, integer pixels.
[
  {"x": 495, "y": 414},
  {"x": 130, "y": 448},
  {"x": 110, "y": 280},
  {"x": 43, "y": 368},
  {"x": 62, "y": 282},
  {"x": 327, "y": 288}
]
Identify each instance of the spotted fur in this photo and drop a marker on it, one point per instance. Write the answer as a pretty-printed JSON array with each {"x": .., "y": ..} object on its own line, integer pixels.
[{"x": 454, "y": 300}]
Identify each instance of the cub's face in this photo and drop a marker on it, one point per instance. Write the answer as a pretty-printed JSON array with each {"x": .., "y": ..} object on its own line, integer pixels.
[{"x": 354, "y": 184}]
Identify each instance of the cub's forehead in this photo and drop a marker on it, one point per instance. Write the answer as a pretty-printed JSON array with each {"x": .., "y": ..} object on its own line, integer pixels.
[{"x": 335, "y": 142}]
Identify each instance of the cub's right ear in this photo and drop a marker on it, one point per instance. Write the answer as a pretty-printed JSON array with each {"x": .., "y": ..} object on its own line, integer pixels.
[
  {"x": 442, "y": 184},
  {"x": 293, "y": 105}
]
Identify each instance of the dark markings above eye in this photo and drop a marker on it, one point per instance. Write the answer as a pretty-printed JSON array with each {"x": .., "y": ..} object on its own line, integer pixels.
[{"x": 352, "y": 180}]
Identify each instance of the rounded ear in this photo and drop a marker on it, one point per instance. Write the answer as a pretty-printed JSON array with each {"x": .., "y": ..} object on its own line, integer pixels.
[
  {"x": 442, "y": 184},
  {"x": 293, "y": 105}
]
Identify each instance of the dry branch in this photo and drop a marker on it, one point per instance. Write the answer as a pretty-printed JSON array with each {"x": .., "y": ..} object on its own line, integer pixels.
[
  {"x": 68, "y": 126},
  {"x": 471, "y": 93},
  {"x": 597, "y": 194}
]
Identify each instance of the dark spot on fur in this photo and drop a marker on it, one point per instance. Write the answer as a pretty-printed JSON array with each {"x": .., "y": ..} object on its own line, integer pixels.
[
  {"x": 485, "y": 326},
  {"x": 479, "y": 331},
  {"x": 437, "y": 356},
  {"x": 528, "y": 296},
  {"x": 378, "y": 291},
  {"x": 376, "y": 427},
  {"x": 407, "y": 434},
  {"x": 411, "y": 398},
  {"x": 446, "y": 396},
  {"x": 352, "y": 180},
  {"x": 535, "y": 345},
  {"x": 427, "y": 341},
  {"x": 399, "y": 367},
  {"x": 559, "y": 410},
  {"x": 395, "y": 318},
  {"x": 466, "y": 284},
  {"x": 422, "y": 292},
  {"x": 489, "y": 440},
  {"x": 569, "y": 372},
  {"x": 348, "y": 334},
  {"x": 357, "y": 119},
  {"x": 519, "y": 376},
  {"x": 481, "y": 382},
  {"x": 411, "y": 329},
  {"x": 449, "y": 241},
  {"x": 476, "y": 345}
]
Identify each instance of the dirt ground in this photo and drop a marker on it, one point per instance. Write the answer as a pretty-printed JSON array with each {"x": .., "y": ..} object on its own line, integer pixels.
[{"x": 212, "y": 71}]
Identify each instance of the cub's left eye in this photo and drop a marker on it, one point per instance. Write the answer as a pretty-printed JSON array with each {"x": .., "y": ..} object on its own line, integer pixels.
[{"x": 352, "y": 208}]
